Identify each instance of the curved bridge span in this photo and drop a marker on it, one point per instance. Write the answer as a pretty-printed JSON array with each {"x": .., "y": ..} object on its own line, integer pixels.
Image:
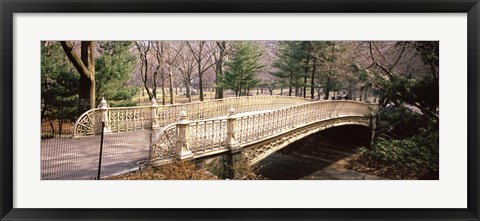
[
  {"x": 252, "y": 127},
  {"x": 127, "y": 119},
  {"x": 255, "y": 134}
]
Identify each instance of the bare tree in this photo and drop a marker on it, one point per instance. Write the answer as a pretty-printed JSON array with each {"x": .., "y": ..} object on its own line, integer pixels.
[
  {"x": 172, "y": 54},
  {"x": 220, "y": 57},
  {"x": 186, "y": 64},
  {"x": 143, "y": 48},
  {"x": 396, "y": 59},
  {"x": 159, "y": 47},
  {"x": 203, "y": 57}
]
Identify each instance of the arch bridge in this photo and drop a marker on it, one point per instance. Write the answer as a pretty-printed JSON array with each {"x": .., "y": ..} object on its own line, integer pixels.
[
  {"x": 255, "y": 134},
  {"x": 254, "y": 126}
]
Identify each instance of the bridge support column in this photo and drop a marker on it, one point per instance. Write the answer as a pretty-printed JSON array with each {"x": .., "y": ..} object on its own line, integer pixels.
[
  {"x": 235, "y": 157},
  {"x": 373, "y": 125},
  {"x": 236, "y": 165},
  {"x": 182, "y": 150},
  {"x": 232, "y": 143}
]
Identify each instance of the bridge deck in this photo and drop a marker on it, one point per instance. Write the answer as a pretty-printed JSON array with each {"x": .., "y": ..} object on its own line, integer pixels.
[
  {"x": 77, "y": 158},
  {"x": 67, "y": 158}
]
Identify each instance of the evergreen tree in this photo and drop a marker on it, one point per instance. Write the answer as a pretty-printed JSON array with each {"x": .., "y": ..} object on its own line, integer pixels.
[
  {"x": 114, "y": 69},
  {"x": 59, "y": 87},
  {"x": 289, "y": 64},
  {"x": 328, "y": 75},
  {"x": 240, "y": 76}
]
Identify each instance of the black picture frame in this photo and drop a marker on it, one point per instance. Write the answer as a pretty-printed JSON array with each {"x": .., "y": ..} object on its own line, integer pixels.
[{"x": 9, "y": 7}]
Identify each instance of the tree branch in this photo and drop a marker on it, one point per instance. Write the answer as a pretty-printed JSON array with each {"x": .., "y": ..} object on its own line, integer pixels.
[
  {"x": 76, "y": 61},
  {"x": 390, "y": 74}
]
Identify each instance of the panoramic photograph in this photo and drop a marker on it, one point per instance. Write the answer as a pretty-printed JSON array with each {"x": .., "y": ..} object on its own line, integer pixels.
[{"x": 239, "y": 110}]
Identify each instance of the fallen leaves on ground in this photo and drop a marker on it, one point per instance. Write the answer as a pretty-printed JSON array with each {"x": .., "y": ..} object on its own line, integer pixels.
[{"x": 176, "y": 170}]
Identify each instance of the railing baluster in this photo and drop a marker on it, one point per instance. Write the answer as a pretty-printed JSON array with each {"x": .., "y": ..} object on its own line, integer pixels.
[
  {"x": 263, "y": 124},
  {"x": 220, "y": 134},
  {"x": 249, "y": 128},
  {"x": 212, "y": 136},
  {"x": 205, "y": 142},
  {"x": 240, "y": 136},
  {"x": 197, "y": 140},
  {"x": 254, "y": 127}
]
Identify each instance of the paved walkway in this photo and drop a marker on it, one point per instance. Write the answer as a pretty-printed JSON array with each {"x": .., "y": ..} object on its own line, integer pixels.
[
  {"x": 77, "y": 158},
  {"x": 332, "y": 173}
]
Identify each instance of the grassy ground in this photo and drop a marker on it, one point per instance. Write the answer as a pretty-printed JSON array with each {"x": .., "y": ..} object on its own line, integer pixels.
[{"x": 180, "y": 97}]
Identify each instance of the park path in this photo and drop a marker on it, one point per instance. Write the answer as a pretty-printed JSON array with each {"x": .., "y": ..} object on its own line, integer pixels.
[{"x": 78, "y": 158}]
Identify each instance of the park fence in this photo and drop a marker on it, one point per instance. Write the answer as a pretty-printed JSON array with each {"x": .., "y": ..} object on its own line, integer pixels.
[{"x": 64, "y": 157}]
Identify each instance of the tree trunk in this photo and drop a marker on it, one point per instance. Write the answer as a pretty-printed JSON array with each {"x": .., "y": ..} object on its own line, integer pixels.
[
  {"x": 312, "y": 79},
  {"x": 305, "y": 78},
  {"x": 145, "y": 85},
  {"x": 85, "y": 65},
  {"x": 219, "y": 69},
  {"x": 189, "y": 95},
  {"x": 304, "y": 94},
  {"x": 200, "y": 82},
  {"x": 290, "y": 85},
  {"x": 240, "y": 85},
  {"x": 171, "y": 83},
  {"x": 88, "y": 58},
  {"x": 163, "y": 90},
  {"x": 85, "y": 95}
]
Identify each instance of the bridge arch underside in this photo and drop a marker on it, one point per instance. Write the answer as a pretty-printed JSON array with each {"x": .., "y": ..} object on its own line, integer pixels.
[{"x": 258, "y": 151}]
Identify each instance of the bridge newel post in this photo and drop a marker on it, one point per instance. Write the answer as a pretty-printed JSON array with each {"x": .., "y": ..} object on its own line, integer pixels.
[
  {"x": 153, "y": 114},
  {"x": 231, "y": 141},
  {"x": 182, "y": 150},
  {"x": 104, "y": 115},
  {"x": 373, "y": 125},
  {"x": 155, "y": 128}
]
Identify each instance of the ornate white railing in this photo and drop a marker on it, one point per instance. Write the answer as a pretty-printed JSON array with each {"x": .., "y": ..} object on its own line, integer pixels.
[
  {"x": 253, "y": 127},
  {"x": 121, "y": 119},
  {"x": 165, "y": 143},
  {"x": 206, "y": 137}
]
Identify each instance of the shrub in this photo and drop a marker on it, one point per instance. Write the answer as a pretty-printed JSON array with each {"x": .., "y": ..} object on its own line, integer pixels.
[
  {"x": 419, "y": 153},
  {"x": 399, "y": 122}
]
